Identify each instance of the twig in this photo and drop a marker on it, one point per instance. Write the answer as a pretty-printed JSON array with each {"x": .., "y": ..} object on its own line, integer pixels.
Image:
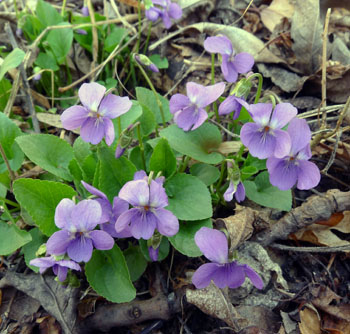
[
  {"x": 332, "y": 157},
  {"x": 94, "y": 35},
  {"x": 316, "y": 208},
  {"x": 13, "y": 94},
  {"x": 124, "y": 22},
  {"x": 343, "y": 248},
  {"x": 26, "y": 87}
]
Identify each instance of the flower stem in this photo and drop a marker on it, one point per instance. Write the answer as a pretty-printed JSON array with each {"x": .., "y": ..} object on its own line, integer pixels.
[
  {"x": 139, "y": 25},
  {"x": 11, "y": 173},
  {"x": 8, "y": 213},
  {"x": 213, "y": 82},
  {"x": 119, "y": 122},
  {"x": 222, "y": 173},
  {"x": 9, "y": 202},
  {"x": 184, "y": 164},
  {"x": 63, "y": 7},
  {"x": 142, "y": 149},
  {"x": 260, "y": 83},
  {"x": 154, "y": 92},
  {"x": 148, "y": 37}
]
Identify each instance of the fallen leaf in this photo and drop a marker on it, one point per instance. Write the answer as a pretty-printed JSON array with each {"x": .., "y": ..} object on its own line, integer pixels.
[
  {"x": 52, "y": 120},
  {"x": 309, "y": 321},
  {"x": 278, "y": 9}
]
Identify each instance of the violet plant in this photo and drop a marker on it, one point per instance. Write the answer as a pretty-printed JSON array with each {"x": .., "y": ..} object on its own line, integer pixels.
[{"x": 162, "y": 166}]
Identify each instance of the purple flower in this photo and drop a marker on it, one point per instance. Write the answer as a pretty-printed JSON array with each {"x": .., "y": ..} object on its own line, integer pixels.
[
  {"x": 213, "y": 244},
  {"x": 37, "y": 77},
  {"x": 59, "y": 267},
  {"x": 85, "y": 11},
  {"x": 238, "y": 191},
  {"x": 119, "y": 152},
  {"x": 168, "y": 10},
  {"x": 295, "y": 167},
  {"x": 81, "y": 32},
  {"x": 78, "y": 236},
  {"x": 110, "y": 213},
  {"x": 153, "y": 253},
  {"x": 145, "y": 61},
  {"x": 231, "y": 64},
  {"x": 94, "y": 117},
  {"x": 189, "y": 112},
  {"x": 148, "y": 213},
  {"x": 232, "y": 103},
  {"x": 264, "y": 138}
]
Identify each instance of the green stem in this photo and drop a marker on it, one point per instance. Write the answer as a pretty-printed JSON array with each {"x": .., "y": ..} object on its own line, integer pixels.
[
  {"x": 8, "y": 213},
  {"x": 184, "y": 164},
  {"x": 9, "y": 202},
  {"x": 142, "y": 150},
  {"x": 148, "y": 37},
  {"x": 260, "y": 83},
  {"x": 215, "y": 106},
  {"x": 119, "y": 122},
  {"x": 11, "y": 173},
  {"x": 16, "y": 8},
  {"x": 154, "y": 92},
  {"x": 222, "y": 173},
  {"x": 139, "y": 25},
  {"x": 63, "y": 7}
]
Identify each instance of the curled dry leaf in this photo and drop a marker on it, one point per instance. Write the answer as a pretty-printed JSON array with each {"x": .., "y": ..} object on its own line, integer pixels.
[
  {"x": 310, "y": 322},
  {"x": 212, "y": 300}
]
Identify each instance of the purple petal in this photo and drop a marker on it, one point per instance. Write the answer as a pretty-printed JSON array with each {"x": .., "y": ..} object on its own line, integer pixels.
[
  {"x": 106, "y": 209},
  {"x": 194, "y": 90},
  {"x": 166, "y": 20},
  {"x": 240, "y": 193},
  {"x": 228, "y": 195},
  {"x": 254, "y": 277},
  {"x": 73, "y": 117},
  {"x": 101, "y": 240},
  {"x": 109, "y": 130},
  {"x": 153, "y": 68},
  {"x": 92, "y": 190},
  {"x": 283, "y": 175},
  {"x": 210, "y": 94},
  {"x": 157, "y": 195},
  {"x": 69, "y": 264},
  {"x": 305, "y": 153},
  {"x": 85, "y": 11},
  {"x": 178, "y": 102},
  {"x": 113, "y": 106},
  {"x": 248, "y": 131},
  {"x": 308, "y": 175},
  {"x": 153, "y": 253},
  {"x": 299, "y": 133},
  {"x": 152, "y": 14},
  {"x": 81, "y": 32},
  {"x": 190, "y": 119},
  {"x": 43, "y": 263},
  {"x": 232, "y": 103},
  {"x": 58, "y": 243},
  {"x": 174, "y": 11},
  {"x": 91, "y": 95},
  {"x": 126, "y": 233},
  {"x": 125, "y": 218},
  {"x": 60, "y": 272},
  {"x": 86, "y": 215},
  {"x": 140, "y": 175},
  {"x": 80, "y": 249},
  {"x": 119, "y": 152},
  {"x": 243, "y": 62},
  {"x": 228, "y": 69},
  {"x": 203, "y": 275},
  {"x": 283, "y": 143},
  {"x": 119, "y": 206},
  {"x": 218, "y": 44},
  {"x": 234, "y": 276},
  {"x": 261, "y": 113},
  {"x": 135, "y": 192},
  {"x": 282, "y": 115},
  {"x": 143, "y": 225},
  {"x": 92, "y": 130},
  {"x": 213, "y": 244},
  {"x": 167, "y": 223},
  {"x": 63, "y": 213}
]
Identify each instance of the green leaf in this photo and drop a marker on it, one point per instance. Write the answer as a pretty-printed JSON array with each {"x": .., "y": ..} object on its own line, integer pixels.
[
  {"x": 46, "y": 61},
  {"x": 5, "y": 91},
  {"x": 146, "y": 98},
  {"x": 8, "y": 133},
  {"x": 255, "y": 162},
  {"x": 107, "y": 273},
  {"x": 128, "y": 118},
  {"x": 184, "y": 242},
  {"x": 136, "y": 262},
  {"x": 247, "y": 172},
  {"x": 159, "y": 61},
  {"x": 200, "y": 144},
  {"x": 31, "y": 247},
  {"x": 81, "y": 150},
  {"x": 206, "y": 173},
  {"x": 163, "y": 249},
  {"x": 49, "y": 152},
  {"x": 12, "y": 60},
  {"x": 114, "y": 173},
  {"x": 135, "y": 156},
  {"x": 60, "y": 42},
  {"x": 189, "y": 198},
  {"x": 163, "y": 159},
  {"x": 47, "y": 15},
  {"x": 262, "y": 192},
  {"x": 113, "y": 38},
  {"x": 40, "y": 198},
  {"x": 12, "y": 238},
  {"x": 147, "y": 121}
]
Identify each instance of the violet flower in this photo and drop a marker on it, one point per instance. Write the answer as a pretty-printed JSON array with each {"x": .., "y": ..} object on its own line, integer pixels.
[
  {"x": 264, "y": 138},
  {"x": 81, "y": 32},
  {"x": 232, "y": 103},
  {"x": 295, "y": 167},
  {"x": 110, "y": 213},
  {"x": 189, "y": 112},
  {"x": 145, "y": 61},
  {"x": 85, "y": 11},
  {"x": 148, "y": 213},
  {"x": 153, "y": 253},
  {"x": 238, "y": 191},
  {"x": 213, "y": 244},
  {"x": 231, "y": 64},
  {"x": 78, "y": 236},
  {"x": 167, "y": 10},
  {"x": 94, "y": 117},
  {"x": 59, "y": 267}
]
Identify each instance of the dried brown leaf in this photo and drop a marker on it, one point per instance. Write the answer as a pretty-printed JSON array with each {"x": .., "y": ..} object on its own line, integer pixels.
[
  {"x": 52, "y": 120},
  {"x": 309, "y": 321},
  {"x": 277, "y": 10}
]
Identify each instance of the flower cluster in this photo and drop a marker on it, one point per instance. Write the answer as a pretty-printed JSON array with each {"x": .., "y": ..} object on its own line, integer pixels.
[
  {"x": 164, "y": 9},
  {"x": 223, "y": 271}
]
